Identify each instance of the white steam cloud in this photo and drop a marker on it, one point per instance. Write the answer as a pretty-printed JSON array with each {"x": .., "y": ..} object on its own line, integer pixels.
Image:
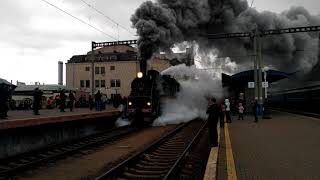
[{"x": 191, "y": 101}]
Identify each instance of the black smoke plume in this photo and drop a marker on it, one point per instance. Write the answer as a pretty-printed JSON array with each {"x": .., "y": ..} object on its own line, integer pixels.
[{"x": 163, "y": 23}]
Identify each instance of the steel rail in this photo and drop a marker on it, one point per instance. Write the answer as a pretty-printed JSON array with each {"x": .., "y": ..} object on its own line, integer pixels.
[
  {"x": 18, "y": 163},
  {"x": 112, "y": 173},
  {"x": 173, "y": 169}
]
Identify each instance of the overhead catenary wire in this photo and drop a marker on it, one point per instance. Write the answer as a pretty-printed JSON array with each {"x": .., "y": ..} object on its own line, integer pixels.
[
  {"x": 84, "y": 22},
  {"x": 107, "y": 17}
]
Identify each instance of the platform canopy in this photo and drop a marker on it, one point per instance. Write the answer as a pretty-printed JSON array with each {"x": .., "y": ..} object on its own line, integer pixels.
[{"x": 248, "y": 76}]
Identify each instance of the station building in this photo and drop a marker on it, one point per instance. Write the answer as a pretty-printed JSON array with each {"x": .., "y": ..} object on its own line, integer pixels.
[{"x": 114, "y": 69}]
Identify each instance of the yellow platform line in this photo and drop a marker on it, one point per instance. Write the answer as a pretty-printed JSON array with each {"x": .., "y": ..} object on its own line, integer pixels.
[
  {"x": 231, "y": 168},
  {"x": 211, "y": 168}
]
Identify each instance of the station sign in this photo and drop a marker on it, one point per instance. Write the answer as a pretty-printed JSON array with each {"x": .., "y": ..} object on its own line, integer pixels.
[
  {"x": 265, "y": 84},
  {"x": 250, "y": 84}
]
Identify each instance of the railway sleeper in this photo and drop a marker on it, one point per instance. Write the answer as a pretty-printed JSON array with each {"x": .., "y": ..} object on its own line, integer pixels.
[
  {"x": 146, "y": 177},
  {"x": 151, "y": 167},
  {"x": 153, "y": 163},
  {"x": 146, "y": 171},
  {"x": 160, "y": 160},
  {"x": 162, "y": 156},
  {"x": 175, "y": 143},
  {"x": 169, "y": 154},
  {"x": 171, "y": 149}
]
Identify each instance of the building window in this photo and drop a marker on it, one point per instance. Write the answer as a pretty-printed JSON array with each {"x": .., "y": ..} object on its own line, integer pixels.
[
  {"x": 103, "y": 83},
  {"x": 97, "y": 70},
  {"x": 112, "y": 68},
  {"x": 103, "y": 70},
  {"x": 115, "y": 83},
  {"x": 97, "y": 83},
  {"x": 118, "y": 83},
  {"x": 87, "y": 83},
  {"x": 82, "y": 83},
  {"x": 87, "y": 68}
]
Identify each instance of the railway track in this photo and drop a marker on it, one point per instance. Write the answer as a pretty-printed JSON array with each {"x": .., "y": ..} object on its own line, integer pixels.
[
  {"x": 13, "y": 165},
  {"x": 174, "y": 156}
]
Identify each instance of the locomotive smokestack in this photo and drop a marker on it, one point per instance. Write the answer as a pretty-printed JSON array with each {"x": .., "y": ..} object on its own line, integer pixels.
[
  {"x": 60, "y": 72},
  {"x": 143, "y": 66}
]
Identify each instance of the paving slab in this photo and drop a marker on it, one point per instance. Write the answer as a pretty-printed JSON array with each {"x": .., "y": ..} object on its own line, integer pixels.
[{"x": 284, "y": 147}]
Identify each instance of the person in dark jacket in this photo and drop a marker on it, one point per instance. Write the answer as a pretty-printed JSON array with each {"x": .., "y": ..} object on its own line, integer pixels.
[
  {"x": 255, "y": 110},
  {"x": 72, "y": 98},
  {"x": 63, "y": 98},
  {"x": 222, "y": 112},
  {"x": 4, "y": 97},
  {"x": 91, "y": 102},
  {"x": 37, "y": 95},
  {"x": 213, "y": 112},
  {"x": 97, "y": 98}
]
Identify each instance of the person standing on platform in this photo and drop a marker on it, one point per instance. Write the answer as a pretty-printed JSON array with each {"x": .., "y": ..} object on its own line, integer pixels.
[
  {"x": 63, "y": 98},
  {"x": 213, "y": 116},
  {"x": 4, "y": 97},
  {"x": 240, "y": 111},
  {"x": 227, "y": 112},
  {"x": 37, "y": 94},
  {"x": 97, "y": 98},
  {"x": 72, "y": 98},
  {"x": 91, "y": 103},
  {"x": 103, "y": 101},
  {"x": 255, "y": 110},
  {"x": 222, "y": 112}
]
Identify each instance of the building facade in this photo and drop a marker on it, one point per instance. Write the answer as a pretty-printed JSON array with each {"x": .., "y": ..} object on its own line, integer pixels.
[{"x": 114, "y": 69}]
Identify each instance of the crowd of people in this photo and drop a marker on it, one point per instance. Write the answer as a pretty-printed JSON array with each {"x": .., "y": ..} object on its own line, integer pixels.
[
  {"x": 221, "y": 112},
  {"x": 63, "y": 101}
]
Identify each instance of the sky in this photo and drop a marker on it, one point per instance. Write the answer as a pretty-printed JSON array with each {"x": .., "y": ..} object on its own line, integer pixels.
[{"x": 34, "y": 35}]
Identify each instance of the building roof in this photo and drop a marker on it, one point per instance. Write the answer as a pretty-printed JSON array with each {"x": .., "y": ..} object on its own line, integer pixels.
[
  {"x": 51, "y": 87},
  {"x": 5, "y": 82},
  {"x": 248, "y": 76},
  {"x": 105, "y": 57}
]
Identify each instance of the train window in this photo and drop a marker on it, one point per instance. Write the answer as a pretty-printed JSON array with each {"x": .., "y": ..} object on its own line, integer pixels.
[
  {"x": 97, "y": 83},
  {"x": 87, "y": 83},
  {"x": 81, "y": 83},
  {"x": 103, "y": 83}
]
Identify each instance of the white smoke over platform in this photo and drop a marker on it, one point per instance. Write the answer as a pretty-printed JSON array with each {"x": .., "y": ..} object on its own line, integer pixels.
[{"x": 191, "y": 102}]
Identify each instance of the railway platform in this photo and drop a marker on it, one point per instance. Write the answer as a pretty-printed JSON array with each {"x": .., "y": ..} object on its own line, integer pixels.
[
  {"x": 284, "y": 147},
  {"x": 18, "y": 119},
  {"x": 23, "y": 132}
]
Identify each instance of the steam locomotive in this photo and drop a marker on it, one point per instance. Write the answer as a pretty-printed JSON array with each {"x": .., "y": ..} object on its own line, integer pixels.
[{"x": 147, "y": 92}]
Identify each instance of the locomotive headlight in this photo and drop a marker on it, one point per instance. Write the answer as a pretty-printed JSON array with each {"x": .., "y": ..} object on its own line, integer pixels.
[
  {"x": 148, "y": 103},
  {"x": 139, "y": 74},
  {"x": 130, "y": 103}
]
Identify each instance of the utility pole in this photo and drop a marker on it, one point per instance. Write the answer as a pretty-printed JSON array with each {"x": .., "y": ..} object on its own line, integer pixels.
[
  {"x": 256, "y": 93},
  {"x": 92, "y": 68},
  {"x": 260, "y": 101}
]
